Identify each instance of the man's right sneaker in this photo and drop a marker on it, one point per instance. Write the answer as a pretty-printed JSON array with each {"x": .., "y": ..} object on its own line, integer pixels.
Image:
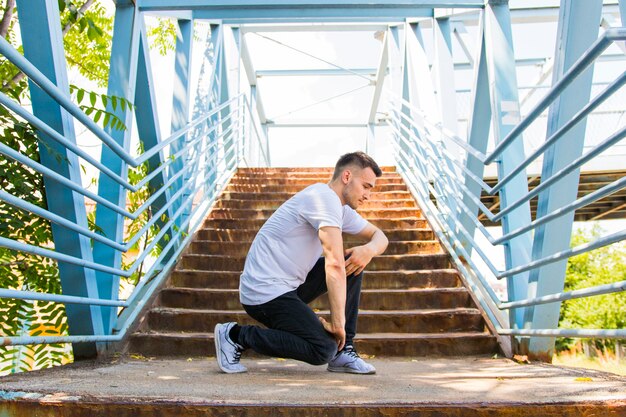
[
  {"x": 227, "y": 352},
  {"x": 349, "y": 361}
]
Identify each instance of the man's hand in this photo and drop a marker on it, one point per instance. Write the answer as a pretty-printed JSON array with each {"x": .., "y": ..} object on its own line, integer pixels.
[
  {"x": 338, "y": 333},
  {"x": 358, "y": 258}
]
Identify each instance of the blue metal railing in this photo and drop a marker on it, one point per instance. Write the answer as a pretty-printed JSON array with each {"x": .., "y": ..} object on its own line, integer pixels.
[
  {"x": 211, "y": 147},
  {"x": 435, "y": 176}
]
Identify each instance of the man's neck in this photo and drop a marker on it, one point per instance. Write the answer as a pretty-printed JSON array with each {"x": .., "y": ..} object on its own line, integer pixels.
[{"x": 337, "y": 187}]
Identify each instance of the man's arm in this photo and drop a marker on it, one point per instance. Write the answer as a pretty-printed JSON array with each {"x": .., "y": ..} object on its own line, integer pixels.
[
  {"x": 360, "y": 256},
  {"x": 332, "y": 245}
]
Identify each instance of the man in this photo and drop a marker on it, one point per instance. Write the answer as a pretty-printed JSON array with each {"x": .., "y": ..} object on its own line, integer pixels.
[{"x": 283, "y": 272}]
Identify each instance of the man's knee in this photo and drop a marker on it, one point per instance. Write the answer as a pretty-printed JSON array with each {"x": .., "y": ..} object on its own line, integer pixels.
[{"x": 324, "y": 353}]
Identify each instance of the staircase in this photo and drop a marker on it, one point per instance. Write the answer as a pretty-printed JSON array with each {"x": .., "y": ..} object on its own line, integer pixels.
[{"x": 412, "y": 304}]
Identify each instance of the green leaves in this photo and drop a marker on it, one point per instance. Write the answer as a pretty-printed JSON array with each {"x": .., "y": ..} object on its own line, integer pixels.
[
  {"x": 97, "y": 107},
  {"x": 601, "y": 266}
]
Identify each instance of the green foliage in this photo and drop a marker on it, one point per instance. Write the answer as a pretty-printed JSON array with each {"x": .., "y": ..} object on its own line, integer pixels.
[
  {"x": 163, "y": 35},
  {"x": 88, "y": 41},
  {"x": 89, "y": 102},
  {"x": 601, "y": 266},
  {"x": 135, "y": 201}
]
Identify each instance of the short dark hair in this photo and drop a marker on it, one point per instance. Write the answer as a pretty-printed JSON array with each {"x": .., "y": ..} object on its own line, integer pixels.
[{"x": 361, "y": 159}]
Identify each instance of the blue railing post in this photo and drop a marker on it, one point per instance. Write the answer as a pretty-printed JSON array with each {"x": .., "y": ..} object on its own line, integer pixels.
[
  {"x": 217, "y": 36},
  {"x": 43, "y": 46},
  {"x": 148, "y": 128},
  {"x": 122, "y": 82},
  {"x": 505, "y": 112},
  {"x": 180, "y": 104},
  {"x": 578, "y": 29},
  {"x": 477, "y": 129}
]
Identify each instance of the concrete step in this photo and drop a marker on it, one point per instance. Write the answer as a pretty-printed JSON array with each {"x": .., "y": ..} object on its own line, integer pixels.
[
  {"x": 370, "y": 321},
  {"x": 377, "y": 344},
  {"x": 380, "y": 299},
  {"x": 242, "y": 248},
  {"x": 295, "y": 188},
  {"x": 370, "y": 214},
  {"x": 274, "y": 204},
  {"x": 186, "y": 386},
  {"x": 247, "y": 235},
  {"x": 379, "y": 263},
  {"x": 283, "y": 195},
  {"x": 442, "y": 278}
]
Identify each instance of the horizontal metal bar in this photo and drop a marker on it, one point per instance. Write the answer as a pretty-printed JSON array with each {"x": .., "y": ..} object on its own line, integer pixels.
[
  {"x": 316, "y": 125},
  {"x": 476, "y": 200},
  {"x": 315, "y": 72},
  {"x": 37, "y": 250},
  {"x": 556, "y": 177},
  {"x": 553, "y": 298},
  {"x": 58, "y": 298},
  {"x": 444, "y": 132},
  {"x": 586, "y": 333},
  {"x": 51, "y": 340},
  {"x": 607, "y": 240},
  {"x": 609, "y": 36},
  {"x": 59, "y": 178},
  {"x": 39, "y": 124},
  {"x": 581, "y": 202},
  {"x": 318, "y": 27},
  {"x": 31, "y": 208},
  {"x": 578, "y": 117},
  {"x": 176, "y": 135},
  {"x": 63, "y": 99}
]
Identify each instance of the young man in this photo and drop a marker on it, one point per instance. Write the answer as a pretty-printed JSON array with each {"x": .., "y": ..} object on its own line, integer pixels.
[{"x": 284, "y": 272}]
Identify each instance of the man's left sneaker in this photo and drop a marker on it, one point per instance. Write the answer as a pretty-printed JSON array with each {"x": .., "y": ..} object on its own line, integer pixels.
[{"x": 349, "y": 361}]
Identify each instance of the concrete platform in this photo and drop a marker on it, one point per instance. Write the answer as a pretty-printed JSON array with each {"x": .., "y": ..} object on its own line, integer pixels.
[{"x": 419, "y": 387}]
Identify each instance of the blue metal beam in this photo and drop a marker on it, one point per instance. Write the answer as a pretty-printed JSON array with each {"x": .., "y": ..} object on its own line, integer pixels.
[
  {"x": 505, "y": 115},
  {"x": 477, "y": 129},
  {"x": 254, "y": 11},
  {"x": 316, "y": 72},
  {"x": 122, "y": 80},
  {"x": 43, "y": 46},
  {"x": 578, "y": 29},
  {"x": 148, "y": 130},
  {"x": 181, "y": 90}
]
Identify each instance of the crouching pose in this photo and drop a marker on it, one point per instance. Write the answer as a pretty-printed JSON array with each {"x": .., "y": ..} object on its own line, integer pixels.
[{"x": 284, "y": 272}]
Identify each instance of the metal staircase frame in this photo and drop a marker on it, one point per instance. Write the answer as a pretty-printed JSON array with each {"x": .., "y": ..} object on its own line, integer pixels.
[{"x": 188, "y": 168}]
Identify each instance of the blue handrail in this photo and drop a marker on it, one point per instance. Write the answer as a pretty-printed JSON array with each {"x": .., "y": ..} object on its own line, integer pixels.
[{"x": 433, "y": 172}]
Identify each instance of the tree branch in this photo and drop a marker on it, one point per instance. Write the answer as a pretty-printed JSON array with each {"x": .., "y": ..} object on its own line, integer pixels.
[
  {"x": 20, "y": 75},
  {"x": 5, "y": 23}
]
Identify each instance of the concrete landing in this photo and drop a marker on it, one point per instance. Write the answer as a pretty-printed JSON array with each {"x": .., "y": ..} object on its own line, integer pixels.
[{"x": 425, "y": 386}]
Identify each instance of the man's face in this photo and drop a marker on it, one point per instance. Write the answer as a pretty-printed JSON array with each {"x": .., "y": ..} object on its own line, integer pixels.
[{"x": 358, "y": 184}]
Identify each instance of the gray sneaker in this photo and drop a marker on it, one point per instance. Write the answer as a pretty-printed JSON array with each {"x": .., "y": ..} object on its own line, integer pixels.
[
  {"x": 227, "y": 352},
  {"x": 349, "y": 361}
]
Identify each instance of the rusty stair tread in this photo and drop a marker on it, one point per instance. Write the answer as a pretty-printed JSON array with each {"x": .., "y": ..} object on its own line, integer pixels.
[
  {"x": 359, "y": 336},
  {"x": 364, "y": 291},
  {"x": 413, "y": 312}
]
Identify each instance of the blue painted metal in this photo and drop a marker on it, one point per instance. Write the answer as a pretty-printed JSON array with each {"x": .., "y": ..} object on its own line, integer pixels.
[
  {"x": 122, "y": 81},
  {"x": 54, "y": 135},
  {"x": 477, "y": 131},
  {"x": 505, "y": 113},
  {"x": 61, "y": 97},
  {"x": 148, "y": 130},
  {"x": 43, "y": 46},
  {"x": 181, "y": 89}
]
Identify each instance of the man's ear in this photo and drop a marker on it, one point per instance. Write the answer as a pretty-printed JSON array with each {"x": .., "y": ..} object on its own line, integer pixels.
[{"x": 346, "y": 175}]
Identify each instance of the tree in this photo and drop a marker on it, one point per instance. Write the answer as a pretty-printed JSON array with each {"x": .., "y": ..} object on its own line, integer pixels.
[{"x": 601, "y": 266}]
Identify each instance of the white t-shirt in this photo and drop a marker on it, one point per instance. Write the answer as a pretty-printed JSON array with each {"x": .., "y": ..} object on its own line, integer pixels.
[{"x": 288, "y": 245}]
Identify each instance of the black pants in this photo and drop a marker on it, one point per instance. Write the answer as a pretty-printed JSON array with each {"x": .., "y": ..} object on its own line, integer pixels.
[{"x": 293, "y": 329}]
